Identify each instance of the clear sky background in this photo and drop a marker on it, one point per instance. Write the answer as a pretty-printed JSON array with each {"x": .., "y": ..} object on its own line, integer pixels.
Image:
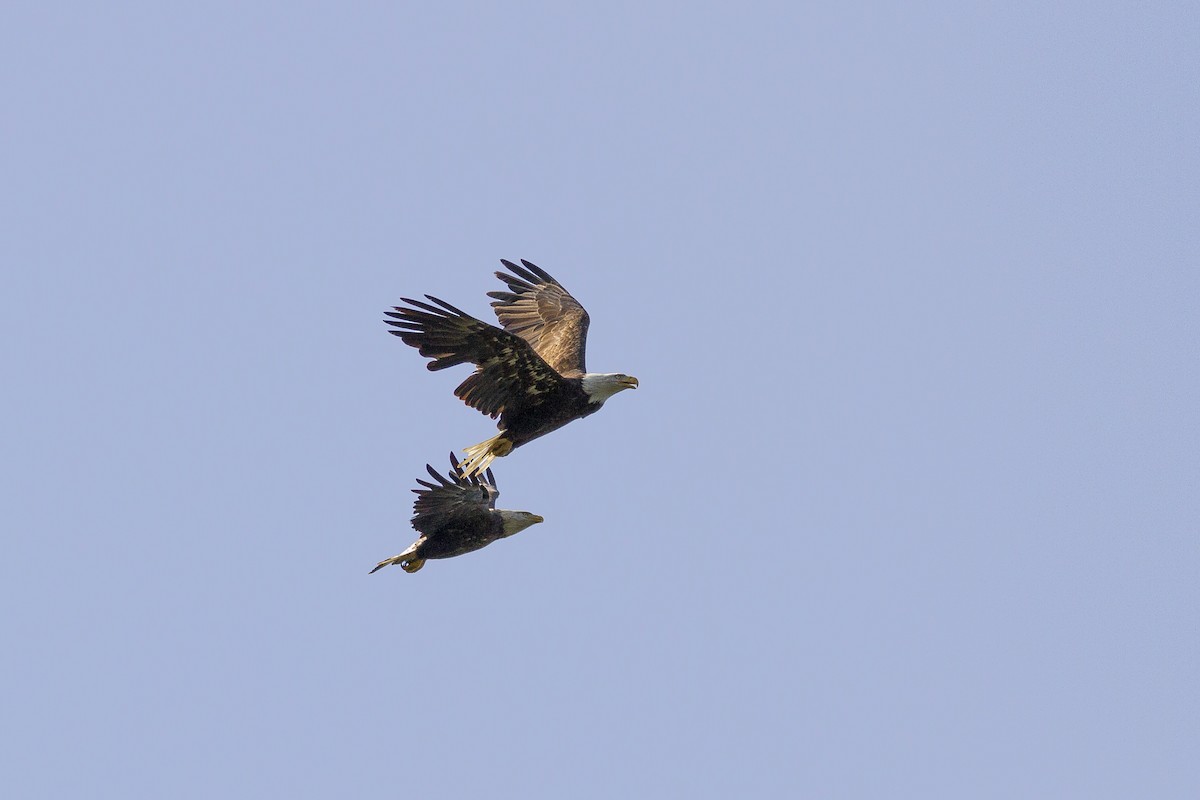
[{"x": 906, "y": 504}]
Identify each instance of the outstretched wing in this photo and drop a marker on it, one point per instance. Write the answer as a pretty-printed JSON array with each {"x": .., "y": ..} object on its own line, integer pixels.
[
  {"x": 508, "y": 372},
  {"x": 455, "y": 499},
  {"x": 539, "y": 310}
]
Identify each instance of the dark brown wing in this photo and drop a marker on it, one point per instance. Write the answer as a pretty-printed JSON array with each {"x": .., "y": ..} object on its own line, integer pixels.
[
  {"x": 508, "y": 372},
  {"x": 539, "y": 310},
  {"x": 457, "y": 500}
]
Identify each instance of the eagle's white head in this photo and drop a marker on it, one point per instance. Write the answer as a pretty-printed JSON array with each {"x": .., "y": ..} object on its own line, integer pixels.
[
  {"x": 600, "y": 386},
  {"x": 517, "y": 521}
]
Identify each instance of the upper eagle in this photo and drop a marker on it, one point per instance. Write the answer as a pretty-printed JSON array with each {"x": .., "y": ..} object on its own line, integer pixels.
[
  {"x": 531, "y": 374},
  {"x": 455, "y": 516}
]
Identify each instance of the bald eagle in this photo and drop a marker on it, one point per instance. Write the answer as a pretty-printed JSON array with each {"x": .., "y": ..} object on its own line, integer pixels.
[
  {"x": 530, "y": 374},
  {"x": 457, "y": 515}
]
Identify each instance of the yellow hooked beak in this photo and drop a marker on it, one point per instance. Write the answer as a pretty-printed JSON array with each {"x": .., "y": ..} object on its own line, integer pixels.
[
  {"x": 537, "y": 518},
  {"x": 629, "y": 382}
]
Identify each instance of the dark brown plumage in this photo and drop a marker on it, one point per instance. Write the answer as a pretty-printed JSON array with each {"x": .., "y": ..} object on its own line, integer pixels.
[
  {"x": 457, "y": 515},
  {"x": 530, "y": 374}
]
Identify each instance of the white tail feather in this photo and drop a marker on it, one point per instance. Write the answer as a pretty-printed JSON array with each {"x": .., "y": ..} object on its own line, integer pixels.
[
  {"x": 480, "y": 456},
  {"x": 400, "y": 559}
]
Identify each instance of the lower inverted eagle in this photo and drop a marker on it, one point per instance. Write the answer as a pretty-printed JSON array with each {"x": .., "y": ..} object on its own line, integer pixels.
[
  {"x": 530, "y": 374},
  {"x": 457, "y": 515}
]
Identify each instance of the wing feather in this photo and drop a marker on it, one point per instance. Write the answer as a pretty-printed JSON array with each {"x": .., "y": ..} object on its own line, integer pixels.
[
  {"x": 508, "y": 370},
  {"x": 455, "y": 499},
  {"x": 539, "y": 310}
]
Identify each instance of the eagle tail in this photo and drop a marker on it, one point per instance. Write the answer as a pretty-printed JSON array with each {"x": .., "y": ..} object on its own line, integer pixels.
[
  {"x": 480, "y": 456},
  {"x": 405, "y": 560}
]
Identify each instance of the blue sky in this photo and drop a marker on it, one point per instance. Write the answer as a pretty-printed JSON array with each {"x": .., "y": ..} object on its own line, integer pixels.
[{"x": 904, "y": 507}]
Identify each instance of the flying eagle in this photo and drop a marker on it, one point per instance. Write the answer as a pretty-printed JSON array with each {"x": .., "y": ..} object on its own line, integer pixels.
[
  {"x": 455, "y": 516},
  {"x": 530, "y": 374}
]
